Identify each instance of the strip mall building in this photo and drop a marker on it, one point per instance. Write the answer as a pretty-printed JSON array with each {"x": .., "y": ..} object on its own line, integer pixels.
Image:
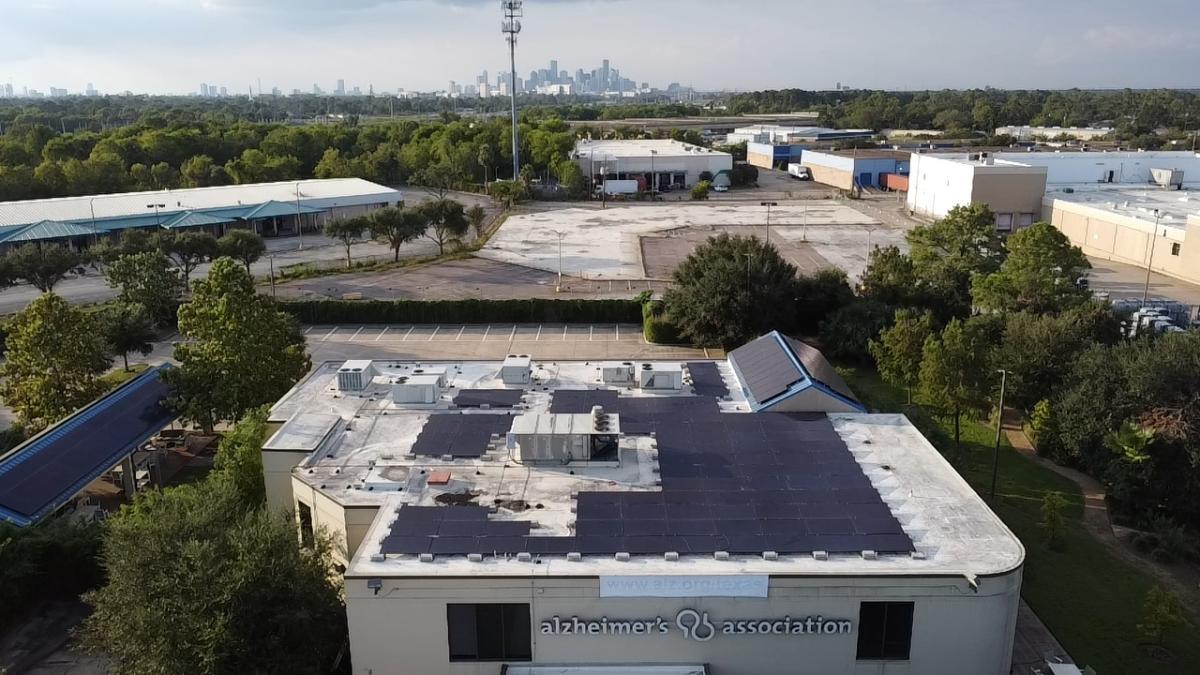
[{"x": 736, "y": 517}]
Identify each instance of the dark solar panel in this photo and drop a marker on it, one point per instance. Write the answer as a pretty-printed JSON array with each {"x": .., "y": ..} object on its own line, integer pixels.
[
  {"x": 495, "y": 398},
  {"x": 706, "y": 379},
  {"x": 734, "y": 482},
  {"x": 579, "y": 401},
  {"x": 53, "y": 467},
  {"x": 460, "y": 435},
  {"x": 765, "y": 367}
]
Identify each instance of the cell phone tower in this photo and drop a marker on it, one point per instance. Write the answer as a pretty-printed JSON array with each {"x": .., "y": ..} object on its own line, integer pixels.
[{"x": 510, "y": 27}]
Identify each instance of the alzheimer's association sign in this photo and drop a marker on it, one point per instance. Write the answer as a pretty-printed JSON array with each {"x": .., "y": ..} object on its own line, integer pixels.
[{"x": 696, "y": 625}]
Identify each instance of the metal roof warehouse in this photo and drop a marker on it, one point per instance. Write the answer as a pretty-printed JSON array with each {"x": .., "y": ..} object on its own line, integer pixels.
[{"x": 282, "y": 203}]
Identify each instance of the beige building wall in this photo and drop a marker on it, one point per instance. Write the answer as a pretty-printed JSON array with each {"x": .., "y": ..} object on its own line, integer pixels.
[
  {"x": 1015, "y": 192},
  {"x": 956, "y": 630},
  {"x": 760, "y": 160},
  {"x": 837, "y": 178},
  {"x": 277, "y": 476},
  {"x": 347, "y": 525},
  {"x": 1113, "y": 236}
]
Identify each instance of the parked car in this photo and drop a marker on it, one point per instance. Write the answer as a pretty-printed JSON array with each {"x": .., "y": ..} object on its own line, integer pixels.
[{"x": 720, "y": 188}]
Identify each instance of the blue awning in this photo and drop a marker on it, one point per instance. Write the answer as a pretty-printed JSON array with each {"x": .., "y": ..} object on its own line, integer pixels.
[
  {"x": 44, "y": 231},
  {"x": 48, "y": 470},
  {"x": 194, "y": 219}
]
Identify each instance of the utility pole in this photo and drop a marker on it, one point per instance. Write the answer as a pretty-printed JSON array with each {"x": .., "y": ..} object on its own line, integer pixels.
[
  {"x": 999, "y": 423},
  {"x": 510, "y": 27},
  {"x": 561, "y": 234},
  {"x": 1150, "y": 262},
  {"x": 299, "y": 220},
  {"x": 768, "y": 205},
  {"x": 156, "y": 206}
]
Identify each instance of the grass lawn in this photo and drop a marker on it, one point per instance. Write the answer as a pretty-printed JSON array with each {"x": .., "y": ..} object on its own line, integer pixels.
[
  {"x": 1091, "y": 601},
  {"x": 118, "y": 377}
]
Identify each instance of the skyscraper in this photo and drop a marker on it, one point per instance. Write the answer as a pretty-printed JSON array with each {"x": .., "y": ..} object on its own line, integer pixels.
[
  {"x": 553, "y": 71},
  {"x": 604, "y": 76},
  {"x": 203, "y": 89},
  {"x": 341, "y": 88}
]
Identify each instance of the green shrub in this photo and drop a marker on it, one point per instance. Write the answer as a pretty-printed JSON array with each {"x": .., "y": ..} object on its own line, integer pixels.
[
  {"x": 463, "y": 311},
  {"x": 53, "y": 560},
  {"x": 656, "y": 327}
]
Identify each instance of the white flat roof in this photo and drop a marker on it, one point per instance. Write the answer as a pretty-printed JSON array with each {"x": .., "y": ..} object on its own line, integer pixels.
[
  {"x": 134, "y": 203},
  {"x": 642, "y": 148},
  {"x": 1174, "y": 206}
]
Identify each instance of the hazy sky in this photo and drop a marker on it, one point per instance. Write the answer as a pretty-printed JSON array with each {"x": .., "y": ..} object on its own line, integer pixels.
[{"x": 174, "y": 45}]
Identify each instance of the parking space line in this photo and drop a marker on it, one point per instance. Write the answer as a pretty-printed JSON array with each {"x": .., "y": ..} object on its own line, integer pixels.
[
  {"x": 435, "y": 332},
  {"x": 331, "y": 332},
  {"x": 591, "y": 329},
  {"x": 380, "y": 336},
  {"x": 355, "y": 336},
  {"x": 539, "y": 333},
  {"x": 513, "y": 334},
  {"x": 460, "y": 332},
  {"x": 486, "y": 330},
  {"x": 306, "y": 330},
  {"x": 617, "y": 327},
  {"x": 410, "y": 330},
  {"x": 564, "y": 337}
]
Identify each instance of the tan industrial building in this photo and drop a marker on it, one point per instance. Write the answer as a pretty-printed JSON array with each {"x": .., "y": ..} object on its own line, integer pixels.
[
  {"x": 938, "y": 183},
  {"x": 529, "y": 517}
]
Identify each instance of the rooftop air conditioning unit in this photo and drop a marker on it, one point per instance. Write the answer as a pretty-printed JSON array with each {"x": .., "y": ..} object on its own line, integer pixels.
[
  {"x": 355, "y": 375},
  {"x": 516, "y": 369},
  {"x": 438, "y": 372},
  {"x": 616, "y": 372},
  {"x": 416, "y": 389},
  {"x": 662, "y": 376},
  {"x": 559, "y": 438},
  {"x": 1167, "y": 178}
]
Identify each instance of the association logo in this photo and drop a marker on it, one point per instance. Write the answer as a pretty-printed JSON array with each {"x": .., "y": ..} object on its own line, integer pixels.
[{"x": 696, "y": 625}]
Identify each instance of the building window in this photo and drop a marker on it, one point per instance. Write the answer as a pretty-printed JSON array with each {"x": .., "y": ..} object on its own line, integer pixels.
[
  {"x": 1175, "y": 248},
  {"x": 885, "y": 630},
  {"x": 1024, "y": 220},
  {"x": 489, "y": 632},
  {"x": 306, "y": 523},
  {"x": 1004, "y": 222}
]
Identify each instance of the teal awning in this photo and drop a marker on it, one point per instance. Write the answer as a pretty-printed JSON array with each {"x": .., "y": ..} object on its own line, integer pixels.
[
  {"x": 43, "y": 231},
  {"x": 274, "y": 209},
  {"x": 194, "y": 219}
]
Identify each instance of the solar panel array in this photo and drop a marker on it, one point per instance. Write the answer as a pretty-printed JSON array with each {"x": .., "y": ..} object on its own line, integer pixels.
[
  {"x": 706, "y": 379},
  {"x": 766, "y": 368},
  {"x": 459, "y": 435},
  {"x": 494, "y": 398},
  {"x": 639, "y": 414},
  {"x": 742, "y": 483},
  {"x": 70, "y": 456}
]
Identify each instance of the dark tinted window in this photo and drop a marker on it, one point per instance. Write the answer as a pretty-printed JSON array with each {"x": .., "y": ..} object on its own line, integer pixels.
[
  {"x": 885, "y": 630},
  {"x": 489, "y": 632},
  {"x": 306, "y": 524}
]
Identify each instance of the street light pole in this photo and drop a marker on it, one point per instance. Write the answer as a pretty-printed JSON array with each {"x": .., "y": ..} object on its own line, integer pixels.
[
  {"x": 1150, "y": 262},
  {"x": 999, "y": 424},
  {"x": 92, "y": 207},
  {"x": 653, "y": 176},
  {"x": 561, "y": 234},
  {"x": 768, "y": 205},
  {"x": 271, "y": 258},
  {"x": 299, "y": 219},
  {"x": 156, "y": 206}
]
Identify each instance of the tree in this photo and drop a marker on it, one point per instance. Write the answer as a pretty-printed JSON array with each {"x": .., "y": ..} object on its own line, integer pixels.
[
  {"x": 447, "y": 220},
  {"x": 954, "y": 374},
  {"x": 476, "y": 215},
  {"x": 149, "y": 280},
  {"x": 700, "y": 190},
  {"x": 847, "y": 332},
  {"x": 238, "y": 351},
  {"x": 233, "y": 591},
  {"x": 1161, "y": 612},
  {"x": 239, "y": 457},
  {"x": 890, "y": 278},
  {"x": 947, "y": 253},
  {"x": 1038, "y": 275},
  {"x": 819, "y": 295},
  {"x": 1052, "y": 523},
  {"x": 55, "y": 356},
  {"x": 570, "y": 177},
  {"x": 128, "y": 328},
  {"x": 347, "y": 231},
  {"x": 242, "y": 245},
  {"x": 42, "y": 265},
  {"x": 189, "y": 249},
  {"x": 509, "y": 192},
  {"x": 397, "y": 227},
  {"x": 486, "y": 158},
  {"x": 899, "y": 349},
  {"x": 731, "y": 289}
]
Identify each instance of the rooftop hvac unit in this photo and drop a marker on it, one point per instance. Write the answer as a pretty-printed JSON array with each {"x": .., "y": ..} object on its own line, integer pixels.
[
  {"x": 355, "y": 375},
  {"x": 416, "y": 389},
  {"x": 516, "y": 369},
  {"x": 661, "y": 376},
  {"x": 560, "y": 438},
  {"x": 438, "y": 372},
  {"x": 617, "y": 372},
  {"x": 1167, "y": 178}
]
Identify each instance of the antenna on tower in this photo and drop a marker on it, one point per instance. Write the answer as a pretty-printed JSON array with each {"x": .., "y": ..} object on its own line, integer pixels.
[{"x": 510, "y": 27}]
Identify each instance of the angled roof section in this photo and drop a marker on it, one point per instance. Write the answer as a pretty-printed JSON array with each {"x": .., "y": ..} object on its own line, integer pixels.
[
  {"x": 274, "y": 209},
  {"x": 774, "y": 368},
  {"x": 43, "y": 230},
  {"x": 194, "y": 219},
  {"x": 47, "y": 471}
]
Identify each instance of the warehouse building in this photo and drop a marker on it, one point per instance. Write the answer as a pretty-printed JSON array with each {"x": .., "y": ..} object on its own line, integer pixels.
[
  {"x": 855, "y": 169},
  {"x": 1028, "y": 133},
  {"x": 1146, "y": 226},
  {"x": 268, "y": 208},
  {"x": 657, "y": 164},
  {"x": 778, "y": 134},
  {"x": 642, "y": 518},
  {"x": 1013, "y": 191}
]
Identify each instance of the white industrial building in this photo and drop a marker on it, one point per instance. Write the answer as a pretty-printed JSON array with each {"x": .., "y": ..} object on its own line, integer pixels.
[
  {"x": 641, "y": 518},
  {"x": 661, "y": 164},
  {"x": 272, "y": 207},
  {"x": 1028, "y": 133},
  {"x": 775, "y": 134},
  {"x": 937, "y": 183}
]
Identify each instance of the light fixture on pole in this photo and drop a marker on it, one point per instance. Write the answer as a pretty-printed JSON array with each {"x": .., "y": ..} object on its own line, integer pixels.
[
  {"x": 92, "y": 207},
  {"x": 561, "y": 234},
  {"x": 156, "y": 206},
  {"x": 999, "y": 424},
  {"x": 299, "y": 220},
  {"x": 653, "y": 176},
  {"x": 510, "y": 27},
  {"x": 768, "y": 205},
  {"x": 1150, "y": 262}
]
